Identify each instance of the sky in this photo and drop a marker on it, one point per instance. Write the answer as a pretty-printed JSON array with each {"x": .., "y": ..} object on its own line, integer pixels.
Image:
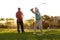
[{"x": 8, "y": 8}]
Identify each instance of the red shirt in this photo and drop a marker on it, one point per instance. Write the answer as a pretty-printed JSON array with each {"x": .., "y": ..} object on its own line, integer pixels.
[{"x": 19, "y": 15}]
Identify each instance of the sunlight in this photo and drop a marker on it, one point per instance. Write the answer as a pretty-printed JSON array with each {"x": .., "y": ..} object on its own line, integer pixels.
[{"x": 8, "y": 8}]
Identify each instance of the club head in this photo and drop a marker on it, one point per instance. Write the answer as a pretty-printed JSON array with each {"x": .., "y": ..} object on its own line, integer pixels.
[{"x": 44, "y": 3}]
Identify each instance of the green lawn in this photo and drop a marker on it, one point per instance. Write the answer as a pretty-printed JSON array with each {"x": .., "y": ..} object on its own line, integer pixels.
[{"x": 11, "y": 34}]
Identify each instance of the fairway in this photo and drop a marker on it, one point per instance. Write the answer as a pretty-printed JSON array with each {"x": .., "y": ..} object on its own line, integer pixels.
[{"x": 11, "y": 34}]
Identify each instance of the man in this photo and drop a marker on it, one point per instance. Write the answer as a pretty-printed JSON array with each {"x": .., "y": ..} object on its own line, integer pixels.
[
  {"x": 38, "y": 20},
  {"x": 19, "y": 16}
]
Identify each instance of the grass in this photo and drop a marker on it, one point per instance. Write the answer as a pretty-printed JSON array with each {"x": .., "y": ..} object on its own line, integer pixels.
[{"x": 11, "y": 34}]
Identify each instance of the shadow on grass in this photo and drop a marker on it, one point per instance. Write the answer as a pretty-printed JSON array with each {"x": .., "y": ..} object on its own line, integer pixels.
[{"x": 28, "y": 36}]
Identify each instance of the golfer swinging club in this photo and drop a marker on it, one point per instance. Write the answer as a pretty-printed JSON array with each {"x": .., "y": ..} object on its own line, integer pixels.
[{"x": 38, "y": 22}]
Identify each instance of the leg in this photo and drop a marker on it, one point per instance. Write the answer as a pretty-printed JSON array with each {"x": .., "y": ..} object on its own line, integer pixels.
[
  {"x": 18, "y": 26},
  {"x": 22, "y": 27},
  {"x": 40, "y": 26},
  {"x": 35, "y": 25}
]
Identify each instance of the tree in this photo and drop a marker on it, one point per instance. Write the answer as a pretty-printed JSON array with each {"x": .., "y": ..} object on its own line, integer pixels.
[
  {"x": 45, "y": 21},
  {"x": 9, "y": 22}
]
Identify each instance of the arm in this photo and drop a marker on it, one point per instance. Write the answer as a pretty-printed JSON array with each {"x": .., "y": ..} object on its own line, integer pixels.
[
  {"x": 16, "y": 15},
  {"x": 22, "y": 15}
]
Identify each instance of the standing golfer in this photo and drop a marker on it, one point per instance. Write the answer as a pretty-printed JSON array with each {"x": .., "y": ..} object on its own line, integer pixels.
[
  {"x": 38, "y": 20},
  {"x": 19, "y": 16}
]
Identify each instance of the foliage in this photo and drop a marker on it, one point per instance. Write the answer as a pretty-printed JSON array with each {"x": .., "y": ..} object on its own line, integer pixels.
[{"x": 47, "y": 21}]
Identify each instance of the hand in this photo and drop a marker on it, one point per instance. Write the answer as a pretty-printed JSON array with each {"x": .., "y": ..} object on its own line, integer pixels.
[{"x": 31, "y": 9}]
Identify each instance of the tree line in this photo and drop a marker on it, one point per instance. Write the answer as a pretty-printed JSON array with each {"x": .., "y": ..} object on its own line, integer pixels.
[{"x": 47, "y": 22}]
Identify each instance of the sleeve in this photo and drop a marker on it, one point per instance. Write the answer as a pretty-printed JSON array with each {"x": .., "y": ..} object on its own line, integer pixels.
[{"x": 16, "y": 15}]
